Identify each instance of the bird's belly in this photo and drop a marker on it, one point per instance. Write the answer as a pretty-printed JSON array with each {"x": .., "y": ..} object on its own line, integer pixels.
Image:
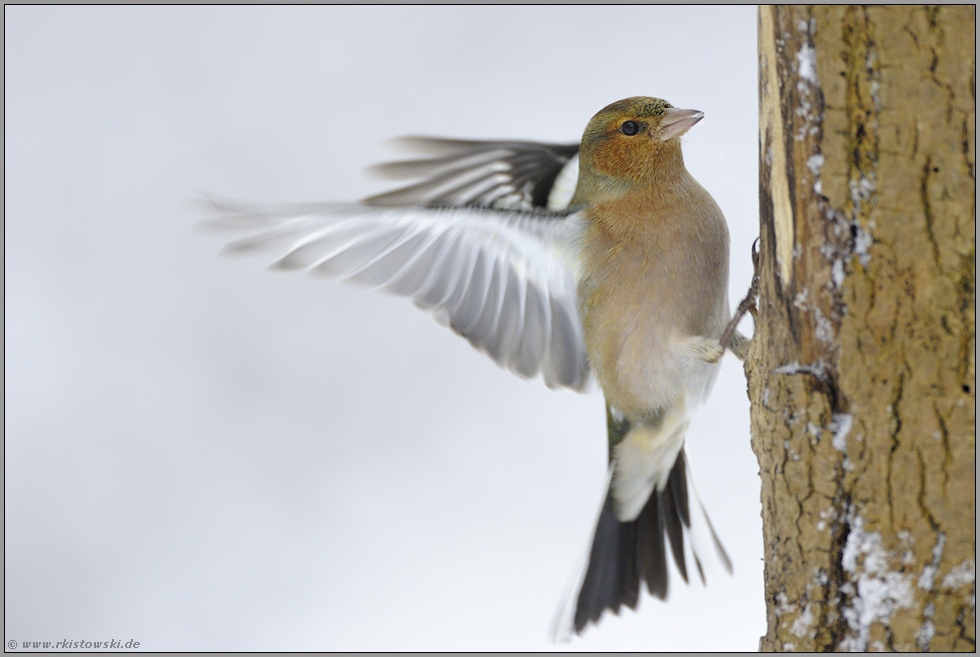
[
  {"x": 644, "y": 362},
  {"x": 648, "y": 373}
]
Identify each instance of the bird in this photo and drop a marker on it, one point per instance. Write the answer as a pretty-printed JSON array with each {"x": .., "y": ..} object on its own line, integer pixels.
[{"x": 598, "y": 263}]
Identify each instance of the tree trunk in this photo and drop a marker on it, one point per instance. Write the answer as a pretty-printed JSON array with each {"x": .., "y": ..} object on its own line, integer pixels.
[{"x": 863, "y": 365}]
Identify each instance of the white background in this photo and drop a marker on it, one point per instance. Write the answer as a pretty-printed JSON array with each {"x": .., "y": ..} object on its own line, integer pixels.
[{"x": 201, "y": 455}]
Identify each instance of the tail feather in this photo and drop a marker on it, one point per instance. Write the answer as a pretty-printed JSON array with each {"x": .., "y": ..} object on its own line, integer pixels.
[
  {"x": 624, "y": 555},
  {"x": 673, "y": 515},
  {"x": 725, "y": 559},
  {"x": 613, "y": 575},
  {"x": 697, "y": 562},
  {"x": 678, "y": 486},
  {"x": 653, "y": 553}
]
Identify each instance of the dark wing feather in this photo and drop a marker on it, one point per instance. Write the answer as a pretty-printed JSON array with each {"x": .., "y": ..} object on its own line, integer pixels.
[{"x": 497, "y": 174}]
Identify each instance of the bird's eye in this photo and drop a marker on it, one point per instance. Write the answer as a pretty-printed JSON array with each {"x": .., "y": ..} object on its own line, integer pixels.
[{"x": 630, "y": 128}]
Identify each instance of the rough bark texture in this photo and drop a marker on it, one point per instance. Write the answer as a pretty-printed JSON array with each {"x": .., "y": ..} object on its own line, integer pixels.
[{"x": 862, "y": 373}]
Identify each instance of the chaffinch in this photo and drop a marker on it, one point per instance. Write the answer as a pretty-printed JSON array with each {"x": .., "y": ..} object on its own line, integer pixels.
[{"x": 603, "y": 261}]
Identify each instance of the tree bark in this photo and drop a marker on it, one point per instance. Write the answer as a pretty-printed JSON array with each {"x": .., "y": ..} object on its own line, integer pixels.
[{"x": 862, "y": 371}]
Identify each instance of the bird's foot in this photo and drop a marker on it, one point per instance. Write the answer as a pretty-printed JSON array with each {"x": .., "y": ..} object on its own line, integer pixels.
[{"x": 731, "y": 338}]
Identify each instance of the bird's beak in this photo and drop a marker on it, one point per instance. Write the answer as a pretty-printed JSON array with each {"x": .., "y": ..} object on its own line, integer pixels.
[{"x": 676, "y": 122}]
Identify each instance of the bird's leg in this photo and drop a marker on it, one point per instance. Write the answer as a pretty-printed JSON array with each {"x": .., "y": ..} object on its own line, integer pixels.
[
  {"x": 732, "y": 339},
  {"x": 739, "y": 345},
  {"x": 707, "y": 349}
]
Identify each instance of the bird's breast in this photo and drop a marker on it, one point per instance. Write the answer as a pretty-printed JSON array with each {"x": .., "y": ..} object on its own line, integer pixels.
[{"x": 653, "y": 277}]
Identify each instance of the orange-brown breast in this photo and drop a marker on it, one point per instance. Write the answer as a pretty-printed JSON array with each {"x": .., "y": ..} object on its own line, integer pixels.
[{"x": 655, "y": 270}]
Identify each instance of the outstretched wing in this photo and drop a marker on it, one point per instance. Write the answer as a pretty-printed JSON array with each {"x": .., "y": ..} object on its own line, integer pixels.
[
  {"x": 503, "y": 280},
  {"x": 517, "y": 175}
]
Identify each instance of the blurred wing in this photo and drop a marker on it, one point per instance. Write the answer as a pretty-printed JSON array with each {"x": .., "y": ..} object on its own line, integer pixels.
[
  {"x": 517, "y": 175},
  {"x": 504, "y": 280}
]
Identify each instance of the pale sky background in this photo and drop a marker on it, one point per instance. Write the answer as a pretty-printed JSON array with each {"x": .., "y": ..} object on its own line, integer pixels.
[{"x": 203, "y": 455}]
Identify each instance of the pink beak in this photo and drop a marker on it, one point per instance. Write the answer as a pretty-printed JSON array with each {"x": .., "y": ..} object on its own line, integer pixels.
[{"x": 676, "y": 122}]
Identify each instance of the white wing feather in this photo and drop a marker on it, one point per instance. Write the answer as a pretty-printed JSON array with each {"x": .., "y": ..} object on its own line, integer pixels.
[{"x": 503, "y": 280}]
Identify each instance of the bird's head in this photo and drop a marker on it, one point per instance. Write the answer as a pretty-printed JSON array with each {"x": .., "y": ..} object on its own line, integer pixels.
[{"x": 630, "y": 142}]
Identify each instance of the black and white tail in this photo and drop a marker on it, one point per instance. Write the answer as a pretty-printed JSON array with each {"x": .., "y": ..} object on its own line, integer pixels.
[{"x": 624, "y": 555}]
